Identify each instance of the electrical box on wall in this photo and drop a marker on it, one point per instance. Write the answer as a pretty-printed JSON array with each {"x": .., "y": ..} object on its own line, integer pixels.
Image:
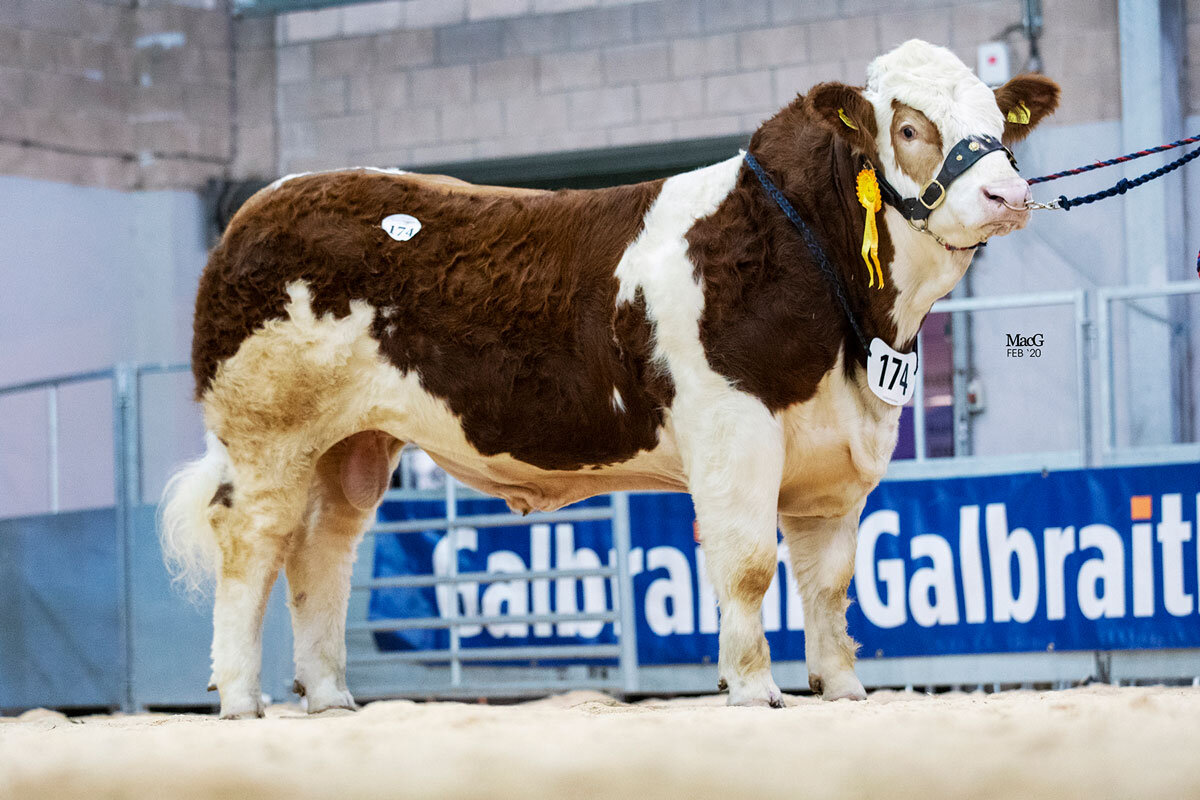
[{"x": 993, "y": 67}]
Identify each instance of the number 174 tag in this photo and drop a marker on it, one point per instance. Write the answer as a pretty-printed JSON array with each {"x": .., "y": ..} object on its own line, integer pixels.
[{"x": 891, "y": 375}]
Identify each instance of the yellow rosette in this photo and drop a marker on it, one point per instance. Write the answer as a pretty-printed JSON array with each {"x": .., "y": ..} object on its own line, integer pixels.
[{"x": 869, "y": 199}]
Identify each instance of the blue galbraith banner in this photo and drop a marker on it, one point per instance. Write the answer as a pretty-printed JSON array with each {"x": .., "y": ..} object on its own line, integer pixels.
[{"x": 1074, "y": 560}]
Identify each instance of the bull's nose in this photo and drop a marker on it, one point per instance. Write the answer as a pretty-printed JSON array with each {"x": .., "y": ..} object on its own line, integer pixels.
[{"x": 1013, "y": 193}]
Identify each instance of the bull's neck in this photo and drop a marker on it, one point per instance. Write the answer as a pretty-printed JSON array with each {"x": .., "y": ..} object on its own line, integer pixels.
[
  {"x": 916, "y": 269},
  {"x": 826, "y": 203},
  {"x": 921, "y": 270}
]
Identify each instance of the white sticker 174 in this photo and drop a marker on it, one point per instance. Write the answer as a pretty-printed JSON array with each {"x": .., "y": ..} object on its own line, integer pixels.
[
  {"x": 891, "y": 375},
  {"x": 401, "y": 227}
]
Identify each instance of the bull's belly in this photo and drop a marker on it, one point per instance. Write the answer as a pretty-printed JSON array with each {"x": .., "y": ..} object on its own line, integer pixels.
[
  {"x": 527, "y": 488},
  {"x": 413, "y": 415}
]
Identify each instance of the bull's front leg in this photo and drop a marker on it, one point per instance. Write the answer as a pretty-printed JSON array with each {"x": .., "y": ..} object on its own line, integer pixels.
[
  {"x": 734, "y": 478},
  {"x": 822, "y": 553}
]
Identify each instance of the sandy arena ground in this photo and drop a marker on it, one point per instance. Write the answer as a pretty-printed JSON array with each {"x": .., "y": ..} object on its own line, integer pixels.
[{"x": 1089, "y": 742}]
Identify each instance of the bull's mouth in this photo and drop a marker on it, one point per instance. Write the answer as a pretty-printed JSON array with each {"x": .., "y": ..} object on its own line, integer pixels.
[{"x": 1013, "y": 221}]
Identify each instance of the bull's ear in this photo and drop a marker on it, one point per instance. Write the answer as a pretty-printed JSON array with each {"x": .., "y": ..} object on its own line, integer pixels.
[
  {"x": 1025, "y": 101},
  {"x": 845, "y": 111}
]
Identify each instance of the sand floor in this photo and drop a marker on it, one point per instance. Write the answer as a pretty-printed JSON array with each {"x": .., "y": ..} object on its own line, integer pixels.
[{"x": 1088, "y": 742}]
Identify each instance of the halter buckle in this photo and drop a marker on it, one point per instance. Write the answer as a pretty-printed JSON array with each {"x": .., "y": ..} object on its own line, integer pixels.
[{"x": 931, "y": 205}]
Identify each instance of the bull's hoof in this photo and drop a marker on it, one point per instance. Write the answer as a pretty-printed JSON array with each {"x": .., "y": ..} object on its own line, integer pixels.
[
  {"x": 319, "y": 700},
  {"x": 246, "y": 710},
  {"x": 298, "y": 688},
  {"x": 255, "y": 714},
  {"x": 722, "y": 685},
  {"x": 759, "y": 691},
  {"x": 845, "y": 686},
  {"x": 756, "y": 701}
]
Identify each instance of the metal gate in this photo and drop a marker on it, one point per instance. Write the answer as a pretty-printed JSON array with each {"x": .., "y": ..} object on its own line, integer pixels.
[{"x": 490, "y": 671}]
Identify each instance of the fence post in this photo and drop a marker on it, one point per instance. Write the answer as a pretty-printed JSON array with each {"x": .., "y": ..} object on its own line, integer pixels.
[
  {"x": 1083, "y": 364},
  {"x": 628, "y": 658},
  {"x": 455, "y": 633},
  {"x": 127, "y": 486},
  {"x": 1104, "y": 362},
  {"x": 52, "y": 433},
  {"x": 918, "y": 417}
]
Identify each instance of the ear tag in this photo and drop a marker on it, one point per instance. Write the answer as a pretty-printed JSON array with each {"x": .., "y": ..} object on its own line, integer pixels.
[
  {"x": 1019, "y": 115},
  {"x": 845, "y": 118},
  {"x": 870, "y": 199}
]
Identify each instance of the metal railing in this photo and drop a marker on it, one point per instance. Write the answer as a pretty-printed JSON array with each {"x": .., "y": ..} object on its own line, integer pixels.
[
  {"x": 924, "y": 466},
  {"x": 621, "y": 616},
  {"x": 126, "y": 382},
  {"x": 1109, "y": 451},
  {"x": 51, "y": 387}
]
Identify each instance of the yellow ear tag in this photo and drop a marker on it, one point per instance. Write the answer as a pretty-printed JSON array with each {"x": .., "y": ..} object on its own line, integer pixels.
[
  {"x": 1019, "y": 115},
  {"x": 845, "y": 118},
  {"x": 869, "y": 199}
]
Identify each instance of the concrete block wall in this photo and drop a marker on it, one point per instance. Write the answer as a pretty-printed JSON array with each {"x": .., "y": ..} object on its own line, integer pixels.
[
  {"x": 253, "y": 134},
  {"x": 414, "y": 82},
  {"x": 167, "y": 93},
  {"x": 114, "y": 94}
]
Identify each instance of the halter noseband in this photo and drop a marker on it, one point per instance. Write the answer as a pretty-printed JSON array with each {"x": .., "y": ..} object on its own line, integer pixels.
[{"x": 960, "y": 158}]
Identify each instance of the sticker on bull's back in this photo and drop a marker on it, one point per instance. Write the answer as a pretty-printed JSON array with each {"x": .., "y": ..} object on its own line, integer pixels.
[
  {"x": 891, "y": 375},
  {"x": 401, "y": 227}
]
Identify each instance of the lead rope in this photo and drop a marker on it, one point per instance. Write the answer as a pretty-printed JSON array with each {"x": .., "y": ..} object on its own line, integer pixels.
[
  {"x": 818, "y": 254},
  {"x": 1121, "y": 186},
  {"x": 810, "y": 239},
  {"x": 1162, "y": 148}
]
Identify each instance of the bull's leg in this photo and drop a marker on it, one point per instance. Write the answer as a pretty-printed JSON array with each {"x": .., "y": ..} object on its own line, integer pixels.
[
  {"x": 252, "y": 524},
  {"x": 822, "y": 554},
  {"x": 735, "y": 489},
  {"x": 349, "y": 483}
]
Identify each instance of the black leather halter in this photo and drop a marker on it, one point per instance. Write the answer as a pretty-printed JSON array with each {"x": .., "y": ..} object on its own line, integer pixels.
[{"x": 960, "y": 158}]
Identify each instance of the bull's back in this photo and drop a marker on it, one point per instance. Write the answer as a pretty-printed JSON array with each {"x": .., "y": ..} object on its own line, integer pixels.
[{"x": 503, "y": 302}]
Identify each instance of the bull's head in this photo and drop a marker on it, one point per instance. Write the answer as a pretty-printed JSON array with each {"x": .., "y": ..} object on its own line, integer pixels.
[{"x": 924, "y": 115}]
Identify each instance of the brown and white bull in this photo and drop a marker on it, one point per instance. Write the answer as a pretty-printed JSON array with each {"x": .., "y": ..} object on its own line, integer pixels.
[{"x": 547, "y": 346}]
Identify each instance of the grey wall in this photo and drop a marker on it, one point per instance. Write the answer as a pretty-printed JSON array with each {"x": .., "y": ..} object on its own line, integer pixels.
[{"x": 91, "y": 277}]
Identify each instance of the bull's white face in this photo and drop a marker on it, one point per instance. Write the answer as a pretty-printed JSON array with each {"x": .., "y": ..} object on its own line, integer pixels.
[{"x": 925, "y": 101}]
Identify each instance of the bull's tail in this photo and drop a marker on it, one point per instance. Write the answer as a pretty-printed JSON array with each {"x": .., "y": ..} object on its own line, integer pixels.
[{"x": 189, "y": 543}]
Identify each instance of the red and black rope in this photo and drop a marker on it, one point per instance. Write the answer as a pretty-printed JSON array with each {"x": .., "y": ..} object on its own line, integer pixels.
[
  {"x": 1118, "y": 160},
  {"x": 1124, "y": 184}
]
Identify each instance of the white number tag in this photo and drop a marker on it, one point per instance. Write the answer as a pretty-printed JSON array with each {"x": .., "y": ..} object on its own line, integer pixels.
[
  {"x": 401, "y": 227},
  {"x": 891, "y": 375}
]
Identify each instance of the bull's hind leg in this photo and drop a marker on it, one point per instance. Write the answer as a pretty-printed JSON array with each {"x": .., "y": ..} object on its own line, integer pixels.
[
  {"x": 252, "y": 520},
  {"x": 735, "y": 488},
  {"x": 822, "y": 553},
  {"x": 350, "y": 480}
]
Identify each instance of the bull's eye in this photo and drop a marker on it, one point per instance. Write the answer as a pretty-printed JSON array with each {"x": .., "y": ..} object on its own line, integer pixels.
[{"x": 909, "y": 131}]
